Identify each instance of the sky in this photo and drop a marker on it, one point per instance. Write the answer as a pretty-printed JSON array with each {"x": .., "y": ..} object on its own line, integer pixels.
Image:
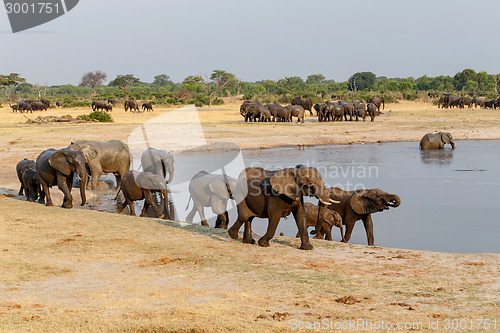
[{"x": 256, "y": 40}]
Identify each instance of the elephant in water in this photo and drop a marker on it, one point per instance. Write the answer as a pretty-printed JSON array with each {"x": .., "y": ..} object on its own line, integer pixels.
[
  {"x": 212, "y": 191},
  {"x": 359, "y": 205},
  {"x": 158, "y": 162},
  {"x": 57, "y": 167},
  {"x": 276, "y": 194},
  {"x": 432, "y": 141},
  {"x": 110, "y": 156},
  {"x": 141, "y": 185}
]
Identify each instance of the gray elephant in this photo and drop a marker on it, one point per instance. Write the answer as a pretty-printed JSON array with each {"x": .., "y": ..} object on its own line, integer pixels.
[
  {"x": 57, "y": 167},
  {"x": 158, "y": 162},
  {"x": 306, "y": 103},
  {"x": 279, "y": 113},
  {"x": 131, "y": 105},
  {"x": 378, "y": 101},
  {"x": 208, "y": 190},
  {"x": 371, "y": 109},
  {"x": 32, "y": 186},
  {"x": 253, "y": 110},
  {"x": 99, "y": 105},
  {"x": 147, "y": 107},
  {"x": 110, "y": 156},
  {"x": 348, "y": 110},
  {"x": 265, "y": 116},
  {"x": 276, "y": 194},
  {"x": 296, "y": 111},
  {"x": 432, "y": 141},
  {"x": 141, "y": 185},
  {"x": 330, "y": 219},
  {"x": 20, "y": 168},
  {"x": 359, "y": 205}
]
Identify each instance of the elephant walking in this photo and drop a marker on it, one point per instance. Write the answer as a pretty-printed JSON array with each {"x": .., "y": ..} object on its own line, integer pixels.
[
  {"x": 432, "y": 141},
  {"x": 212, "y": 191},
  {"x": 378, "y": 100},
  {"x": 20, "y": 168},
  {"x": 131, "y": 105},
  {"x": 276, "y": 194},
  {"x": 141, "y": 185},
  {"x": 330, "y": 219},
  {"x": 296, "y": 111},
  {"x": 110, "y": 156},
  {"x": 31, "y": 185},
  {"x": 57, "y": 167},
  {"x": 359, "y": 205},
  {"x": 306, "y": 103}
]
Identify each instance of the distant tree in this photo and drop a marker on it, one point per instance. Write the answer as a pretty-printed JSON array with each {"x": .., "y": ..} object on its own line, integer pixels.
[
  {"x": 213, "y": 86},
  {"x": 93, "y": 79},
  {"x": 162, "y": 80},
  {"x": 461, "y": 78},
  {"x": 122, "y": 81},
  {"x": 40, "y": 89},
  {"x": 9, "y": 81},
  {"x": 471, "y": 85},
  {"x": 315, "y": 78},
  {"x": 361, "y": 81}
]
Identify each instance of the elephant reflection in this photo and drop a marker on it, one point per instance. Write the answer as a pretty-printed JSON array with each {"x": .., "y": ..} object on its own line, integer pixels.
[{"x": 436, "y": 157}]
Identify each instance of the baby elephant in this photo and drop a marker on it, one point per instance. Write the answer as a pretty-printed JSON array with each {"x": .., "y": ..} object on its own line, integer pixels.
[
  {"x": 141, "y": 185},
  {"x": 432, "y": 141},
  {"x": 330, "y": 219},
  {"x": 32, "y": 186},
  {"x": 147, "y": 107}
]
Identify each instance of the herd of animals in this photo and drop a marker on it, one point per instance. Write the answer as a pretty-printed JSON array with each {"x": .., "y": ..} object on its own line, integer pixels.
[
  {"x": 257, "y": 192},
  {"x": 43, "y": 104},
  {"x": 332, "y": 110},
  {"x": 460, "y": 102}
]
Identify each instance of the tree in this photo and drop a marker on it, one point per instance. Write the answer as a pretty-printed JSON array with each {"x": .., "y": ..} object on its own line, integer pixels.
[
  {"x": 93, "y": 79},
  {"x": 212, "y": 86},
  {"x": 362, "y": 81},
  {"x": 41, "y": 90},
  {"x": 9, "y": 81},
  {"x": 162, "y": 80},
  {"x": 123, "y": 81},
  {"x": 315, "y": 78},
  {"x": 461, "y": 78},
  {"x": 407, "y": 84}
]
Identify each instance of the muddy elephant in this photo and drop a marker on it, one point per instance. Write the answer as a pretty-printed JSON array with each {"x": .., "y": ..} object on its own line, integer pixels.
[
  {"x": 306, "y": 103},
  {"x": 330, "y": 219},
  {"x": 99, "y": 105},
  {"x": 360, "y": 113},
  {"x": 276, "y": 194},
  {"x": 378, "y": 101},
  {"x": 296, "y": 111},
  {"x": 432, "y": 141},
  {"x": 20, "y": 168},
  {"x": 158, "y": 162},
  {"x": 131, "y": 105},
  {"x": 359, "y": 205},
  {"x": 32, "y": 186},
  {"x": 57, "y": 167},
  {"x": 141, "y": 185},
  {"x": 279, "y": 113},
  {"x": 265, "y": 116},
  {"x": 208, "y": 190},
  {"x": 147, "y": 107},
  {"x": 359, "y": 104},
  {"x": 104, "y": 156}
]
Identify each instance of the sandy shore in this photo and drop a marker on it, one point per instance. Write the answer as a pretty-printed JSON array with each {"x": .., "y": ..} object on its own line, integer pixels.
[{"x": 82, "y": 270}]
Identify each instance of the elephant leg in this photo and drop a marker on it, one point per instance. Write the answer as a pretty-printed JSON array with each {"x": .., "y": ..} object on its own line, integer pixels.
[
  {"x": 144, "y": 209},
  {"x": 63, "y": 186},
  {"x": 165, "y": 204},
  {"x": 130, "y": 204},
  {"x": 21, "y": 190},
  {"x": 300, "y": 218},
  {"x": 274, "y": 216},
  {"x": 122, "y": 206},
  {"x": 349, "y": 227},
  {"x": 247, "y": 233},
  {"x": 199, "y": 208},
  {"x": 328, "y": 232},
  {"x": 95, "y": 172},
  {"x": 148, "y": 196},
  {"x": 189, "y": 217},
  {"x": 368, "y": 223},
  {"x": 233, "y": 231}
]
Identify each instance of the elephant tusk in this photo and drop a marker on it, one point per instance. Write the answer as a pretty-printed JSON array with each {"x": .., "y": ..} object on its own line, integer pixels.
[
  {"x": 334, "y": 201},
  {"x": 324, "y": 202}
]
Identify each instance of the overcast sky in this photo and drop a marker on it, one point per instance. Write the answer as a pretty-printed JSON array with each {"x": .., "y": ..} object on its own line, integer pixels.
[{"x": 257, "y": 39}]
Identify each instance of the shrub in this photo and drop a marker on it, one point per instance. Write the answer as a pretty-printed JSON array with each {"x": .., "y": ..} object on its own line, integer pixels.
[
  {"x": 248, "y": 97},
  {"x": 100, "y": 116},
  {"x": 217, "y": 101}
]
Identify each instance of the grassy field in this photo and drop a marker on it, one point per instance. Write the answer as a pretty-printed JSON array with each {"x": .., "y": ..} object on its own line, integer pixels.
[{"x": 83, "y": 270}]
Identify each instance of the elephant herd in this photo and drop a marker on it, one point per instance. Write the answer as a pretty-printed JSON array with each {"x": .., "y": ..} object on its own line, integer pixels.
[
  {"x": 29, "y": 105},
  {"x": 337, "y": 110},
  {"x": 460, "y": 102},
  {"x": 131, "y": 105},
  {"x": 257, "y": 192}
]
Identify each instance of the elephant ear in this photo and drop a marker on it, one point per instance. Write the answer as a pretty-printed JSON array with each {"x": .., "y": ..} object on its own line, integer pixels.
[
  {"x": 61, "y": 162},
  {"x": 149, "y": 181},
  {"x": 362, "y": 204},
  {"x": 88, "y": 151},
  {"x": 219, "y": 188},
  {"x": 283, "y": 182},
  {"x": 445, "y": 137}
]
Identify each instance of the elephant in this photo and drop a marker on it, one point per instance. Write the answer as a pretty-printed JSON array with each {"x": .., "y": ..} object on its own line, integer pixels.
[
  {"x": 359, "y": 104},
  {"x": 208, "y": 190},
  {"x": 491, "y": 104},
  {"x": 279, "y": 113},
  {"x": 360, "y": 113},
  {"x": 320, "y": 111},
  {"x": 108, "y": 107},
  {"x": 98, "y": 105},
  {"x": 463, "y": 101},
  {"x": 348, "y": 110},
  {"x": 479, "y": 102},
  {"x": 276, "y": 194},
  {"x": 371, "y": 109},
  {"x": 46, "y": 102},
  {"x": 59, "y": 104},
  {"x": 253, "y": 112},
  {"x": 265, "y": 116},
  {"x": 32, "y": 186},
  {"x": 39, "y": 106},
  {"x": 296, "y": 111},
  {"x": 432, "y": 141},
  {"x": 378, "y": 100},
  {"x": 132, "y": 105},
  {"x": 359, "y": 205},
  {"x": 147, "y": 107},
  {"x": 245, "y": 105},
  {"x": 113, "y": 101},
  {"x": 306, "y": 103},
  {"x": 14, "y": 107},
  {"x": 330, "y": 219},
  {"x": 23, "y": 165},
  {"x": 158, "y": 162},
  {"x": 25, "y": 107},
  {"x": 334, "y": 112},
  {"x": 110, "y": 156},
  {"x": 57, "y": 167},
  {"x": 141, "y": 185},
  {"x": 450, "y": 101}
]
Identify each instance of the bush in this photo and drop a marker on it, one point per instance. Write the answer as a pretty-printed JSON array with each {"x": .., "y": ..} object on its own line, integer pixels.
[
  {"x": 217, "y": 101},
  {"x": 100, "y": 116},
  {"x": 248, "y": 97}
]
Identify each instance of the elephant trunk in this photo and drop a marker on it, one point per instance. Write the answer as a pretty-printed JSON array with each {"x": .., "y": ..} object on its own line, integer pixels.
[
  {"x": 165, "y": 199},
  {"x": 324, "y": 201},
  {"x": 452, "y": 143},
  {"x": 81, "y": 171},
  {"x": 397, "y": 201},
  {"x": 169, "y": 167}
]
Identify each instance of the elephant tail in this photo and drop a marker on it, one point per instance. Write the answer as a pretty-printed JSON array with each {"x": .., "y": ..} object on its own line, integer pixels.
[{"x": 188, "y": 203}]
